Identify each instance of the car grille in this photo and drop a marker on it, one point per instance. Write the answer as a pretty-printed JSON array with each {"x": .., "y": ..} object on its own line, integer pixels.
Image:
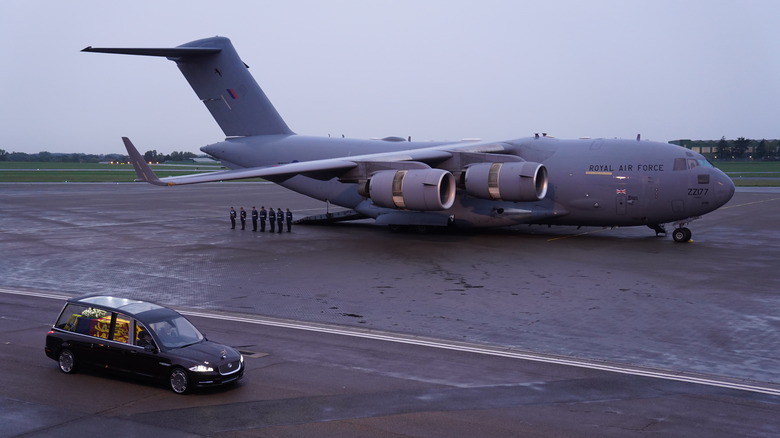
[{"x": 230, "y": 367}]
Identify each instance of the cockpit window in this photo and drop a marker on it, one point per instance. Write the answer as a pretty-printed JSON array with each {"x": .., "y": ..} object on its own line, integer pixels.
[{"x": 690, "y": 163}]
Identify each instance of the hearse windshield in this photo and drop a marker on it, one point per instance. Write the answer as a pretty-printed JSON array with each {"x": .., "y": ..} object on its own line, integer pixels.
[{"x": 176, "y": 332}]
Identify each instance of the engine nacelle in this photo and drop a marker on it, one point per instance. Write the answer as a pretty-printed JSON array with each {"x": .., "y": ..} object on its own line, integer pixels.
[
  {"x": 413, "y": 189},
  {"x": 516, "y": 181}
]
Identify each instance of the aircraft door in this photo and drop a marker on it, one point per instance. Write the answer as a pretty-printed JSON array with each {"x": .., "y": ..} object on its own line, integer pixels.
[
  {"x": 636, "y": 197},
  {"x": 621, "y": 203},
  {"x": 652, "y": 194}
]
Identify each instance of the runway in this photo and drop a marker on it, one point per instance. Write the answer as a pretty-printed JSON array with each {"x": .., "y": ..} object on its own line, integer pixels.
[
  {"x": 315, "y": 383},
  {"x": 615, "y": 296}
]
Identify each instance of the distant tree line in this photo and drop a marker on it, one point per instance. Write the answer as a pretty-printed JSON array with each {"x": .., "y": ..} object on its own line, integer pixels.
[
  {"x": 50, "y": 157},
  {"x": 153, "y": 156},
  {"x": 739, "y": 149}
]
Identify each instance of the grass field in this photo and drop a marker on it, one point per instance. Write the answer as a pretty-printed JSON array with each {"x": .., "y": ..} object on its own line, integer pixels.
[
  {"x": 748, "y": 166},
  {"x": 752, "y": 173},
  {"x": 744, "y": 173},
  {"x": 89, "y": 172}
]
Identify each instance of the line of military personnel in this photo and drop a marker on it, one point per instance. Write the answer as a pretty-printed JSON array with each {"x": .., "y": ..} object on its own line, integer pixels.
[{"x": 276, "y": 219}]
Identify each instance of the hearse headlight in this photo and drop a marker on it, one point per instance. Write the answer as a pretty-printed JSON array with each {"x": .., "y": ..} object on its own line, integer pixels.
[{"x": 202, "y": 369}]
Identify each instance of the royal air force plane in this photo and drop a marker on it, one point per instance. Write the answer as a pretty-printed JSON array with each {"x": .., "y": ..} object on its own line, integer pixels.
[{"x": 535, "y": 180}]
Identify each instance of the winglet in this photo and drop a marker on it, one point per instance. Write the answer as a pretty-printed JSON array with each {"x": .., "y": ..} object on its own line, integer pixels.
[{"x": 142, "y": 169}]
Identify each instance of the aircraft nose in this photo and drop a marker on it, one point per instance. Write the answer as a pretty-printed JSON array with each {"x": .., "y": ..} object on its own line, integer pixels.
[{"x": 724, "y": 187}]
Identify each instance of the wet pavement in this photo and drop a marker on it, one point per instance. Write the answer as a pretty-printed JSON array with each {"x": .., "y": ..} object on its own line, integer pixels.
[{"x": 623, "y": 295}]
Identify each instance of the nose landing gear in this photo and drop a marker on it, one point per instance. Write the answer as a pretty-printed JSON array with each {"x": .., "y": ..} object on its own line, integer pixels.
[{"x": 682, "y": 234}]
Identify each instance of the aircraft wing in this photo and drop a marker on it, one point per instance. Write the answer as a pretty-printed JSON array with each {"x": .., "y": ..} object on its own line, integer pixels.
[
  {"x": 145, "y": 173},
  {"x": 326, "y": 168}
]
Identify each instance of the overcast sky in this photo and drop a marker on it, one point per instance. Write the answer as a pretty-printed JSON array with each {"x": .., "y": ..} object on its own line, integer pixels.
[{"x": 433, "y": 70}]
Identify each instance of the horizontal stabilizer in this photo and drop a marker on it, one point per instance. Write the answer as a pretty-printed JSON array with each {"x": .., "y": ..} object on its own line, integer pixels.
[
  {"x": 222, "y": 81},
  {"x": 174, "y": 52}
]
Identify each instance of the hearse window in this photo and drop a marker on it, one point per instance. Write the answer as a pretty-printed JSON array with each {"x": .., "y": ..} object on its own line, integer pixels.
[
  {"x": 142, "y": 335},
  {"x": 86, "y": 320},
  {"x": 122, "y": 328}
]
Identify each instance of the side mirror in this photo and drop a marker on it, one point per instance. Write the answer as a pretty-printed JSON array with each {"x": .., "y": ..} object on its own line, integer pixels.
[{"x": 150, "y": 348}]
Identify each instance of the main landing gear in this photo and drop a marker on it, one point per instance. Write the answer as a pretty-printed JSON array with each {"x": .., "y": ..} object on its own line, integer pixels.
[{"x": 659, "y": 229}]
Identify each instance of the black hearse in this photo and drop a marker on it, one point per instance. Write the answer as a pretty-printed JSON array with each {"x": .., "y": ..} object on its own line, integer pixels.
[{"x": 139, "y": 338}]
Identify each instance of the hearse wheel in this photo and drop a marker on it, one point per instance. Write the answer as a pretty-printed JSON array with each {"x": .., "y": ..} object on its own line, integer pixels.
[
  {"x": 180, "y": 381},
  {"x": 67, "y": 361}
]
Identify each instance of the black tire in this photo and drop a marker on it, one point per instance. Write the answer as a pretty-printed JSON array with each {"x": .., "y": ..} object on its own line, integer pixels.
[
  {"x": 67, "y": 361},
  {"x": 682, "y": 235},
  {"x": 179, "y": 381}
]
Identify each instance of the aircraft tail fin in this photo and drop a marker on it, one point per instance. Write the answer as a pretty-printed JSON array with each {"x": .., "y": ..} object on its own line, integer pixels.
[
  {"x": 142, "y": 169},
  {"x": 222, "y": 82}
]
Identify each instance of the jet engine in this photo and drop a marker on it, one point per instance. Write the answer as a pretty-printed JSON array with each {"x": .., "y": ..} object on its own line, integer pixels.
[
  {"x": 516, "y": 181},
  {"x": 413, "y": 189}
]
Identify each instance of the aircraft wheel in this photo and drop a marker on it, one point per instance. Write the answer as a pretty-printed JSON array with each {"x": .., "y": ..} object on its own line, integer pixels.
[{"x": 682, "y": 235}]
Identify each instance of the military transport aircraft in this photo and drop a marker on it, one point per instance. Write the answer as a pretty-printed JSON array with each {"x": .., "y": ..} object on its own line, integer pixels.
[{"x": 535, "y": 180}]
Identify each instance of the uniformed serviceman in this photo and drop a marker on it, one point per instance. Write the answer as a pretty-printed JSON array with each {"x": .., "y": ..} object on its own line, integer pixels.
[
  {"x": 242, "y": 215},
  {"x": 232, "y": 218},
  {"x": 280, "y": 219},
  {"x": 271, "y": 219},
  {"x": 263, "y": 216},
  {"x": 254, "y": 219},
  {"x": 288, "y": 219}
]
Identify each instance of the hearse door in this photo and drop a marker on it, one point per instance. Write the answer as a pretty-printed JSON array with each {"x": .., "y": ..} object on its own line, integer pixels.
[
  {"x": 144, "y": 355},
  {"x": 82, "y": 339},
  {"x": 119, "y": 342}
]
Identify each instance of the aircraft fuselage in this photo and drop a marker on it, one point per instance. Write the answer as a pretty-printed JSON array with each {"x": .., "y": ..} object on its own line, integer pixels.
[{"x": 600, "y": 182}]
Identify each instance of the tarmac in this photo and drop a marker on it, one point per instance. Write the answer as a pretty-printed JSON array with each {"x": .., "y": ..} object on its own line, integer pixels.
[{"x": 620, "y": 295}]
